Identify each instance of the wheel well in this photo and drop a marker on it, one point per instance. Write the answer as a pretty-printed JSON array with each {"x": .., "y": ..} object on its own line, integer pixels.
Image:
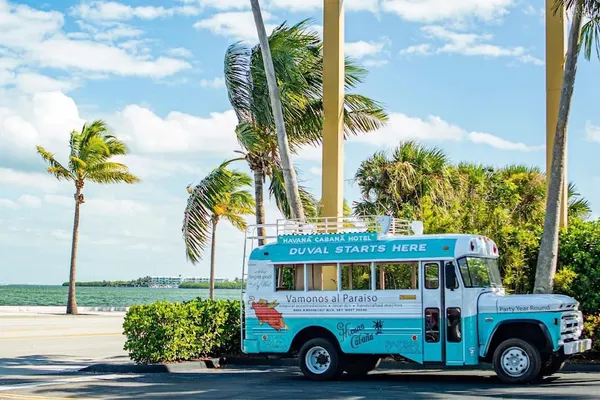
[
  {"x": 532, "y": 332},
  {"x": 313, "y": 332}
]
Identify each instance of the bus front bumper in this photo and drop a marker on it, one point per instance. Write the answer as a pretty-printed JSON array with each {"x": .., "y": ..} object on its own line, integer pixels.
[{"x": 578, "y": 346}]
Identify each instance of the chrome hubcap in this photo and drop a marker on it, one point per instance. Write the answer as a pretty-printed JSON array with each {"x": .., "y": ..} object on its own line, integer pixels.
[
  {"x": 317, "y": 360},
  {"x": 515, "y": 361}
]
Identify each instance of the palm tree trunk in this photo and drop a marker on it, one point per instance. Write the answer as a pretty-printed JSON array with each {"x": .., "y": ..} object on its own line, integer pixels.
[
  {"x": 72, "y": 300},
  {"x": 548, "y": 255},
  {"x": 259, "y": 195},
  {"x": 213, "y": 250},
  {"x": 289, "y": 174}
]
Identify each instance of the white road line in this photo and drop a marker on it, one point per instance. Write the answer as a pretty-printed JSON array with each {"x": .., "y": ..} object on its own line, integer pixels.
[{"x": 62, "y": 382}]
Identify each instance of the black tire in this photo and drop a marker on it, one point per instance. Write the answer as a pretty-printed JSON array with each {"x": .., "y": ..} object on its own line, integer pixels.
[
  {"x": 517, "y": 361},
  {"x": 359, "y": 366},
  {"x": 553, "y": 364},
  {"x": 323, "y": 354}
]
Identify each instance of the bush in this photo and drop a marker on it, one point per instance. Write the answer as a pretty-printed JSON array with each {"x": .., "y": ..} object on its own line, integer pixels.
[
  {"x": 579, "y": 253},
  {"x": 168, "y": 332},
  {"x": 591, "y": 330}
]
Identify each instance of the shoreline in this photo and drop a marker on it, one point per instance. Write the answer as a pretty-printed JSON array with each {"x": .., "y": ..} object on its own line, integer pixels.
[{"x": 61, "y": 310}]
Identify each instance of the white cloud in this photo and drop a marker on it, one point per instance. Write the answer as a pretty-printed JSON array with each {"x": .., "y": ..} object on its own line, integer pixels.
[
  {"x": 419, "y": 49},
  {"x": 118, "y": 32},
  {"x": 178, "y": 132},
  {"x": 38, "y": 39},
  {"x": 316, "y": 171},
  {"x": 312, "y": 5},
  {"x": 220, "y": 4},
  {"x": 31, "y": 180},
  {"x": 499, "y": 143},
  {"x": 468, "y": 44},
  {"x": 444, "y": 10},
  {"x": 362, "y": 49},
  {"x": 7, "y": 203},
  {"x": 180, "y": 52},
  {"x": 156, "y": 167},
  {"x": 102, "y": 207},
  {"x": 592, "y": 132},
  {"x": 114, "y": 11},
  {"x": 30, "y": 201},
  {"x": 215, "y": 83},
  {"x": 375, "y": 63},
  {"x": 32, "y": 82},
  {"x": 61, "y": 234},
  {"x": 402, "y": 127},
  {"x": 237, "y": 25},
  {"x": 44, "y": 118}
]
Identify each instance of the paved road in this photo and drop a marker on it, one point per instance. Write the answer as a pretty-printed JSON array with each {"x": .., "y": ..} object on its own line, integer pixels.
[
  {"x": 32, "y": 343},
  {"x": 287, "y": 383},
  {"x": 41, "y": 352}
]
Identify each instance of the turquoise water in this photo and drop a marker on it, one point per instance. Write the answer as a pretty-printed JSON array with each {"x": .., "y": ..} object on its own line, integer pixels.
[{"x": 18, "y": 295}]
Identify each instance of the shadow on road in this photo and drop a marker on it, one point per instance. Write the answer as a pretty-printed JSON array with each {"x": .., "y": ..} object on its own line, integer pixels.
[{"x": 286, "y": 383}]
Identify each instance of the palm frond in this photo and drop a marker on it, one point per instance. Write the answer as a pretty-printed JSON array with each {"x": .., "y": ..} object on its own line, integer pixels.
[
  {"x": 238, "y": 79},
  {"x": 198, "y": 212},
  {"x": 55, "y": 168},
  {"x": 277, "y": 190},
  {"x": 590, "y": 37},
  {"x": 110, "y": 172}
]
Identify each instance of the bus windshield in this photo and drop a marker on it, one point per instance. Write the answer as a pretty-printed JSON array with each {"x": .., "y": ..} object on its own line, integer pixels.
[{"x": 480, "y": 272}]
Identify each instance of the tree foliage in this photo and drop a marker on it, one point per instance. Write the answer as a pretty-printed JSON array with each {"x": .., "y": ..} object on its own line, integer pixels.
[
  {"x": 506, "y": 204},
  {"x": 297, "y": 54}
]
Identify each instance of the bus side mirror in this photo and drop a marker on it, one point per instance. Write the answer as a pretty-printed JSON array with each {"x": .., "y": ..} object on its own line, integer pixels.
[{"x": 451, "y": 280}]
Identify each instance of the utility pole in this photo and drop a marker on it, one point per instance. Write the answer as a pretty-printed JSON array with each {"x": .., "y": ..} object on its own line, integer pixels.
[{"x": 556, "y": 51}]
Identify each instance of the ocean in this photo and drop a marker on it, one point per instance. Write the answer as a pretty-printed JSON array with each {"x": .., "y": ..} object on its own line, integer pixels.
[{"x": 29, "y": 295}]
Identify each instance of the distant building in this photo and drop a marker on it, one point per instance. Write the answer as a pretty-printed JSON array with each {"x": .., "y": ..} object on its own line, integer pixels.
[{"x": 175, "y": 281}]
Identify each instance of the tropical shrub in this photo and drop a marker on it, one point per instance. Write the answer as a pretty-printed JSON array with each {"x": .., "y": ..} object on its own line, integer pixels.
[
  {"x": 579, "y": 264},
  {"x": 591, "y": 330},
  {"x": 169, "y": 332}
]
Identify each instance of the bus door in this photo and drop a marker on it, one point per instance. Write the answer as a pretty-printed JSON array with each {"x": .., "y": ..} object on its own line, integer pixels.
[
  {"x": 432, "y": 292},
  {"x": 453, "y": 310}
]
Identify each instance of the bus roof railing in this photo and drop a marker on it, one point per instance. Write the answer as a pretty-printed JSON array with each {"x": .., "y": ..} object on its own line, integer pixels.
[{"x": 382, "y": 225}]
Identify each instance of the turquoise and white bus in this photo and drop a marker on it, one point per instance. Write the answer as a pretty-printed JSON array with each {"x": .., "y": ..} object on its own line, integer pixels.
[{"x": 343, "y": 293}]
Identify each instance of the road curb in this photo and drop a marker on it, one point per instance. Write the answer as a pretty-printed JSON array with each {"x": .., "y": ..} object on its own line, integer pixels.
[
  {"x": 217, "y": 363},
  {"x": 161, "y": 368}
]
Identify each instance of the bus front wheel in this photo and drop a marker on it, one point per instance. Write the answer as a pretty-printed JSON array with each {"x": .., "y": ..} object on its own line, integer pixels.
[
  {"x": 517, "y": 361},
  {"x": 319, "y": 360}
]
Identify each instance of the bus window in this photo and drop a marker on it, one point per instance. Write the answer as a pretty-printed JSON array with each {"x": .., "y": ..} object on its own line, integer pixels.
[
  {"x": 432, "y": 325},
  {"x": 454, "y": 333},
  {"x": 322, "y": 277},
  {"x": 356, "y": 276},
  {"x": 397, "y": 276},
  {"x": 289, "y": 277},
  {"x": 432, "y": 276}
]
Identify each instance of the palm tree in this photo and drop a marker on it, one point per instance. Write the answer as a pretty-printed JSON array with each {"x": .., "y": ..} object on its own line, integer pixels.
[
  {"x": 289, "y": 174},
  {"x": 589, "y": 37},
  {"x": 297, "y": 55},
  {"x": 89, "y": 160},
  {"x": 218, "y": 196},
  {"x": 396, "y": 185}
]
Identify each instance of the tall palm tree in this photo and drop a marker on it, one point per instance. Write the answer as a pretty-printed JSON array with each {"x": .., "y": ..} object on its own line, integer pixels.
[
  {"x": 89, "y": 160},
  {"x": 289, "y": 174},
  {"x": 589, "y": 36},
  {"x": 218, "y": 196},
  {"x": 297, "y": 55}
]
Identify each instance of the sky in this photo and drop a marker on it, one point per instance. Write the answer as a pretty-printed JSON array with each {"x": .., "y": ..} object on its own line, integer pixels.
[{"x": 466, "y": 76}]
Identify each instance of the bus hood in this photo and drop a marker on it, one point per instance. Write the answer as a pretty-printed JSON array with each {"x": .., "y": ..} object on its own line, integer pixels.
[{"x": 528, "y": 303}]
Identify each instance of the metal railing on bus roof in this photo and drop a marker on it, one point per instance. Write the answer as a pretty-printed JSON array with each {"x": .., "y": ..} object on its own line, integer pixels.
[{"x": 381, "y": 225}]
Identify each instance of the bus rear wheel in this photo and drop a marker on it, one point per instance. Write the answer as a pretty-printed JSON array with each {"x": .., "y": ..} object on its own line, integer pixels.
[{"x": 319, "y": 360}]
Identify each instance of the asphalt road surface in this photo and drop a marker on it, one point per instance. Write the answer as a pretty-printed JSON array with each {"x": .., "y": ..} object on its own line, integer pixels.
[{"x": 288, "y": 383}]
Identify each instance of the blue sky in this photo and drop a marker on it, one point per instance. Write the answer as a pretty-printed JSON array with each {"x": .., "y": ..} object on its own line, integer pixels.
[{"x": 467, "y": 76}]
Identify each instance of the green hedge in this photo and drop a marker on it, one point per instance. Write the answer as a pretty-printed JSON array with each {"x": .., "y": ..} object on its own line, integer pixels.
[{"x": 169, "y": 332}]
